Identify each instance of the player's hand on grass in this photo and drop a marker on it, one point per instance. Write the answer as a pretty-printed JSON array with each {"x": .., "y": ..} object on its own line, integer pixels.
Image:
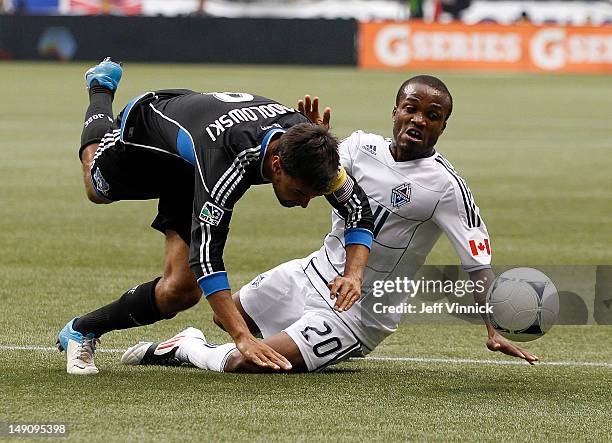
[
  {"x": 261, "y": 354},
  {"x": 346, "y": 290},
  {"x": 498, "y": 343},
  {"x": 310, "y": 108}
]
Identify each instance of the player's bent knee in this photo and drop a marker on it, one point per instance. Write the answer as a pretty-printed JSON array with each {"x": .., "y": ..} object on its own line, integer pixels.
[
  {"x": 186, "y": 299},
  {"x": 179, "y": 294},
  {"x": 95, "y": 198},
  {"x": 91, "y": 193},
  {"x": 87, "y": 158}
]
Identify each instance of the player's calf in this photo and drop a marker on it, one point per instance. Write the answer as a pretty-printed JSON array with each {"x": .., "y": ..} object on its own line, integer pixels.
[
  {"x": 163, "y": 353},
  {"x": 281, "y": 343},
  {"x": 190, "y": 347},
  {"x": 236, "y": 362},
  {"x": 101, "y": 81}
]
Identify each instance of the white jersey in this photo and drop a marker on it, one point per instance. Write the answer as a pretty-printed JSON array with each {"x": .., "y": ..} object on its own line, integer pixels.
[{"x": 413, "y": 202}]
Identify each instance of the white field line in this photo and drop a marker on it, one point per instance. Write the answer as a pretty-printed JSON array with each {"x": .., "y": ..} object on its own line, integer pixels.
[
  {"x": 49, "y": 349},
  {"x": 469, "y": 361},
  {"x": 455, "y": 361}
]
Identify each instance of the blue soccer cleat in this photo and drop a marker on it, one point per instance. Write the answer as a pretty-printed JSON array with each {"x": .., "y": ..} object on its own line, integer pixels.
[
  {"x": 108, "y": 74},
  {"x": 79, "y": 350}
]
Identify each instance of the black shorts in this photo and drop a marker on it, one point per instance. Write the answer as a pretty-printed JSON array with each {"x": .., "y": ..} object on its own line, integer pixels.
[{"x": 126, "y": 172}]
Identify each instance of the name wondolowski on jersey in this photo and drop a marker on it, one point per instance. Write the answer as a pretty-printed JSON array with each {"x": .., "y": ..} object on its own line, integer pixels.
[{"x": 246, "y": 114}]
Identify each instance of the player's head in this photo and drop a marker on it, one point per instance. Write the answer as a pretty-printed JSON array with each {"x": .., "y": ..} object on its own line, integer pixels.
[
  {"x": 304, "y": 165},
  {"x": 423, "y": 105}
]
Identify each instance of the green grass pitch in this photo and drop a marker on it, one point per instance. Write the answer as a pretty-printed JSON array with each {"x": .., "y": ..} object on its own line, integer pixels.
[{"x": 536, "y": 151}]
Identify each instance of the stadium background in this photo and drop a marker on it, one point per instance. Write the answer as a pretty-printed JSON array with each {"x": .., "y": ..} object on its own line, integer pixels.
[{"x": 533, "y": 142}]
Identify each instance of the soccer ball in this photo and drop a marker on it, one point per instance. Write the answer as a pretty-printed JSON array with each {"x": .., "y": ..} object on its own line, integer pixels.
[{"x": 524, "y": 302}]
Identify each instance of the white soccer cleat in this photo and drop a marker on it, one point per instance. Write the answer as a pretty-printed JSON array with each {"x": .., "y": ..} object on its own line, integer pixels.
[
  {"x": 80, "y": 357},
  {"x": 164, "y": 353},
  {"x": 79, "y": 349}
]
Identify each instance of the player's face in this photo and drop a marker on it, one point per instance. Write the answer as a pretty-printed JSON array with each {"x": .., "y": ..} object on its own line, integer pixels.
[
  {"x": 418, "y": 121},
  {"x": 290, "y": 191}
]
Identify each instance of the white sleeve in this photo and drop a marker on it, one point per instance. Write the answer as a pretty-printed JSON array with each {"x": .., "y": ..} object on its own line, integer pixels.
[
  {"x": 459, "y": 217},
  {"x": 347, "y": 149}
]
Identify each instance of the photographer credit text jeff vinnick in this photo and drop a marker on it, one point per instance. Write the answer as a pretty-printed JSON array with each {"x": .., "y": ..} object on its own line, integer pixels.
[{"x": 410, "y": 287}]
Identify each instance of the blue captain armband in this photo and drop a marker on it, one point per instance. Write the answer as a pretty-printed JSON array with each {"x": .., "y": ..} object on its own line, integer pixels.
[
  {"x": 212, "y": 283},
  {"x": 358, "y": 236}
]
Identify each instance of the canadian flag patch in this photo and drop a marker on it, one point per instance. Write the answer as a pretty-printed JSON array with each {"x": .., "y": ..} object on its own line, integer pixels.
[{"x": 480, "y": 248}]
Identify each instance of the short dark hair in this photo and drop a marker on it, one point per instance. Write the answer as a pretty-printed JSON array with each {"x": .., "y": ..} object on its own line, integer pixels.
[
  {"x": 309, "y": 153},
  {"x": 431, "y": 81}
]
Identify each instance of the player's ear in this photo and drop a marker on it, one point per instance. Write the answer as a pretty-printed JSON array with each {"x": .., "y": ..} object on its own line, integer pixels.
[
  {"x": 394, "y": 112},
  {"x": 277, "y": 167}
]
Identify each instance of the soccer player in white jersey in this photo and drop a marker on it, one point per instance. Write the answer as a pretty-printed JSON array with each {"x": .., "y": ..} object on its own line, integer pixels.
[{"x": 415, "y": 195}]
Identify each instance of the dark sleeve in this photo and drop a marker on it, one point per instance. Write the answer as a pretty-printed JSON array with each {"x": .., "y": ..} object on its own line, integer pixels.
[
  {"x": 209, "y": 230},
  {"x": 352, "y": 203},
  {"x": 217, "y": 187}
]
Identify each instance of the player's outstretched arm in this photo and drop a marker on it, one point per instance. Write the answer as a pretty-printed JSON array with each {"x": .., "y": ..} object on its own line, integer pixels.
[
  {"x": 352, "y": 204},
  {"x": 495, "y": 341},
  {"x": 346, "y": 289},
  {"x": 251, "y": 348},
  {"x": 310, "y": 108}
]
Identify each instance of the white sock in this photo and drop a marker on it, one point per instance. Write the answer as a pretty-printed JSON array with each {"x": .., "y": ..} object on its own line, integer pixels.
[{"x": 204, "y": 355}]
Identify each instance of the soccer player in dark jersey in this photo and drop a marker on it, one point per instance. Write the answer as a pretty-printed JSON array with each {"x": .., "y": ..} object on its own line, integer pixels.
[
  {"x": 417, "y": 195},
  {"x": 198, "y": 153}
]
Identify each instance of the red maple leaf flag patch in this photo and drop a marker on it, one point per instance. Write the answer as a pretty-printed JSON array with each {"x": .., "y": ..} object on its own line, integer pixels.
[{"x": 480, "y": 248}]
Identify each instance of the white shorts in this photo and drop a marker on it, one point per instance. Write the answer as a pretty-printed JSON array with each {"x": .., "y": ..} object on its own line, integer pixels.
[
  {"x": 277, "y": 301},
  {"x": 323, "y": 339}
]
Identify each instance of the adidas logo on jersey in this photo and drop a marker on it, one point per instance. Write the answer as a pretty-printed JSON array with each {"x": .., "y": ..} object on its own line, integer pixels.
[
  {"x": 400, "y": 195},
  {"x": 369, "y": 148}
]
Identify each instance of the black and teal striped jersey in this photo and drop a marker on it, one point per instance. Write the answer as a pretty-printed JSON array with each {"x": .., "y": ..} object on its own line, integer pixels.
[{"x": 225, "y": 137}]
